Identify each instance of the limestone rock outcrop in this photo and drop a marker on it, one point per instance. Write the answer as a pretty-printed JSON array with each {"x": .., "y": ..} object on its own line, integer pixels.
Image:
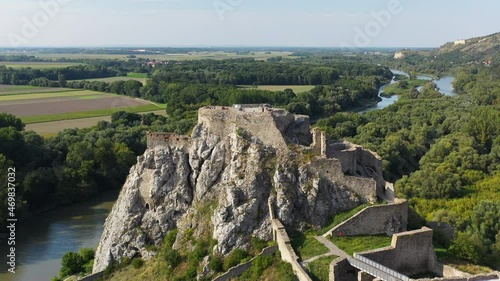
[{"x": 222, "y": 181}]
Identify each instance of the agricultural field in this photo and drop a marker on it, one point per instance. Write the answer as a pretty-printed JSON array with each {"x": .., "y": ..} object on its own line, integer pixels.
[
  {"x": 180, "y": 57},
  {"x": 38, "y": 65},
  {"x": 296, "y": 88},
  {"x": 48, "y": 129},
  {"x": 141, "y": 77},
  {"x": 17, "y": 90},
  {"x": 38, "y": 107}
]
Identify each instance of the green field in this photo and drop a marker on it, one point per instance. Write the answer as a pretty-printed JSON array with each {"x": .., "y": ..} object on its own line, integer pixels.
[
  {"x": 62, "y": 94},
  {"x": 141, "y": 77},
  {"x": 296, "y": 88},
  {"x": 48, "y": 129},
  {"x": 38, "y": 65},
  {"x": 87, "y": 114},
  {"x": 356, "y": 244},
  {"x": 22, "y": 90}
]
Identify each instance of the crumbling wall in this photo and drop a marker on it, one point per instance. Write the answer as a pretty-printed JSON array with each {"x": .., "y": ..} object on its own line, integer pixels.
[
  {"x": 331, "y": 170},
  {"x": 358, "y": 161},
  {"x": 375, "y": 220},
  {"x": 167, "y": 139}
]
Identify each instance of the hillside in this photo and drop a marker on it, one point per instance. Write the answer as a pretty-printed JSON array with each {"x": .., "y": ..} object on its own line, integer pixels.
[
  {"x": 485, "y": 45},
  {"x": 483, "y": 50}
]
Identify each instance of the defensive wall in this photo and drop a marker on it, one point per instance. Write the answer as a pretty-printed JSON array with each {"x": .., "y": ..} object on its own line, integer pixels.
[
  {"x": 331, "y": 170},
  {"x": 223, "y": 121},
  {"x": 342, "y": 270},
  {"x": 238, "y": 270},
  {"x": 410, "y": 253},
  {"x": 355, "y": 160},
  {"x": 375, "y": 220},
  {"x": 286, "y": 250}
]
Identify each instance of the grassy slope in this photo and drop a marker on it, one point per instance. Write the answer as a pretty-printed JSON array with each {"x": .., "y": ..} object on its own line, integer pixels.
[
  {"x": 306, "y": 246},
  {"x": 319, "y": 270},
  {"x": 358, "y": 244}
]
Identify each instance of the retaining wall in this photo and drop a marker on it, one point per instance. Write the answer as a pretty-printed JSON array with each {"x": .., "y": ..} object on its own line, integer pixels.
[
  {"x": 238, "y": 270},
  {"x": 375, "y": 220}
]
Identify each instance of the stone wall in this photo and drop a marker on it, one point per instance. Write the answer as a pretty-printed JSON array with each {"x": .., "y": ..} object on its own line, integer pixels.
[
  {"x": 331, "y": 170},
  {"x": 342, "y": 270},
  {"x": 410, "y": 252},
  {"x": 261, "y": 125},
  {"x": 358, "y": 161},
  {"x": 286, "y": 250},
  {"x": 374, "y": 220},
  {"x": 238, "y": 270},
  {"x": 167, "y": 139},
  {"x": 93, "y": 277}
]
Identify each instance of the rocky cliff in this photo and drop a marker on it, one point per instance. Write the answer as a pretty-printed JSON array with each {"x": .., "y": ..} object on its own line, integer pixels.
[{"x": 222, "y": 181}]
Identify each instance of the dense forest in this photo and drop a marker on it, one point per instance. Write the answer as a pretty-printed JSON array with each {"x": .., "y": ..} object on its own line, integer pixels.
[
  {"x": 75, "y": 164},
  {"x": 444, "y": 154}
]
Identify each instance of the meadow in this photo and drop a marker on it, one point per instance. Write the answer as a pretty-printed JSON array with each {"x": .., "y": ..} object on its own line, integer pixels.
[
  {"x": 48, "y": 129},
  {"x": 296, "y": 88},
  {"x": 141, "y": 77}
]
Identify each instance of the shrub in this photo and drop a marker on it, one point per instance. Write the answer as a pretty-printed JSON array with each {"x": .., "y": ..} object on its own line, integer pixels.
[
  {"x": 217, "y": 264},
  {"x": 234, "y": 258},
  {"x": 172, "y": 257},
  {"x": 137, "y": 263}
]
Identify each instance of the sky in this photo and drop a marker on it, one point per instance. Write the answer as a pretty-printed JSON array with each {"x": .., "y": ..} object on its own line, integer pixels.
[{"x": 203, "y": 23}]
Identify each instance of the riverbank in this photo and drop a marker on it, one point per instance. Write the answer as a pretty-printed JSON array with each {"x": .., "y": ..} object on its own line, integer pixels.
[{"x": 43, "y": 239}]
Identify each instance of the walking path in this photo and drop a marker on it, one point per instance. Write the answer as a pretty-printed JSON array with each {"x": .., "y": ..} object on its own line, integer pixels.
[{"x": 334, "y": 251}]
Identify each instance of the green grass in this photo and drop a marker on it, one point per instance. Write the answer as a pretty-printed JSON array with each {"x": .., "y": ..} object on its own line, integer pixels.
[
  {"x": 341, "y": 217},
  {"x": 137, "y": 75},
  {"x": 296, "y": 88},
  {"x": 38, "y": 65},
  {"x": 445, "y": 257},
  {"x": 86, "y": 114},
  {"x": 306, "y": 246},
  {"x": 63, "y": 94},
  {"x": 356, "y": 244},
  {"x": 395, "y": 89},
  {"x": 6, "y": 90},
  {"x": 319, "y": 270}
]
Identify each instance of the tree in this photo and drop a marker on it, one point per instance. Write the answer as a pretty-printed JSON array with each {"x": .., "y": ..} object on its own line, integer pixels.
[{"x": 62, "y": 80}]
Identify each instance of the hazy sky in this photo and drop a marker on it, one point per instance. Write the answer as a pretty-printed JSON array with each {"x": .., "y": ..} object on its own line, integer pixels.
[{"x": 325, "y": 23}]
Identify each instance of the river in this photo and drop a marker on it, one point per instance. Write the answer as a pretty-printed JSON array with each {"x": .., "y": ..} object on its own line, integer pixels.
[
  {"x": 444, "y": 84},
  {"x": 42, "y": 240}
]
